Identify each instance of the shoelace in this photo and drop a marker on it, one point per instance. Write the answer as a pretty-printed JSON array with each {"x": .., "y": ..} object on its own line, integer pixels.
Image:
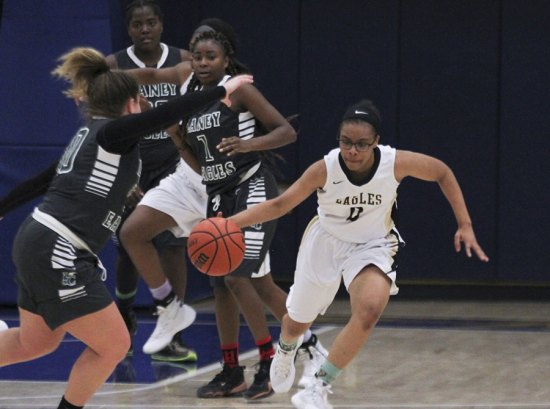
[
  {"x": 302, "y": 351},
  {"x": 161, "y": 324},
  {"x": 262, "y": 370},
  {"x": 308, "y": 351},
  {"x": 319, "y": 393},
  {"x": 160, "y": 310},
  {"x": 222, "y": 377}
]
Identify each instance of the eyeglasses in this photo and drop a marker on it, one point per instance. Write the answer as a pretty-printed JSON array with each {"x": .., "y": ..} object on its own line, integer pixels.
[{"x": 359, "y": 146}]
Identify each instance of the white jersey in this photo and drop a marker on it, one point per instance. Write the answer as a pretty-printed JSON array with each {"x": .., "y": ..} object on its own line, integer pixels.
[{"x": 358, "y": 213}]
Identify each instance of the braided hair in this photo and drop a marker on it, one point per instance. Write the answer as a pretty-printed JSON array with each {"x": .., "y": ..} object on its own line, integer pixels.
[
  {"x": 234, "y": 67},
  {"x": 221, "y": 26},
  {"x": 225, "y": 36}
]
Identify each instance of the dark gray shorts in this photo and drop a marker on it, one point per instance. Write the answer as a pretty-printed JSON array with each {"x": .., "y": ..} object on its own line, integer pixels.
[
  {"x": 56, "y": 281},
  {"x": 260, "y": 187}
]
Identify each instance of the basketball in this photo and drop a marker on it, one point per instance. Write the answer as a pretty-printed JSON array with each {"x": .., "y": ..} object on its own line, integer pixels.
[{"x": 216, "y": 246}]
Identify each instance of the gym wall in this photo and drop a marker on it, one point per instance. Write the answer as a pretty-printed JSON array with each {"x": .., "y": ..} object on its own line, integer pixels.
[{"x": 464, "y": 81}]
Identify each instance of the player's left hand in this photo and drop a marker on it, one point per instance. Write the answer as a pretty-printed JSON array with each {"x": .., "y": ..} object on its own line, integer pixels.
[
  {"x": 466, "y": 235},
  {"x": 233, "y": 145}
]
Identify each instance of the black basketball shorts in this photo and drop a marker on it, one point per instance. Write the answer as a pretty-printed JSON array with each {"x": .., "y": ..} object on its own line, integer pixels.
[
  {"x": 56, "y": 280},
  {"x": 258, "y": 188}
]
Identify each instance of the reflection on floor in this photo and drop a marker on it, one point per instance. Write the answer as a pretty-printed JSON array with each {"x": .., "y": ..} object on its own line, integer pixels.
[{"x": 138, "y": 368}]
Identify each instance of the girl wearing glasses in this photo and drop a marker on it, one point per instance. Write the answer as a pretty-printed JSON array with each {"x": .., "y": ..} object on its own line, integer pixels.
[{"x": 352, "y": 238}]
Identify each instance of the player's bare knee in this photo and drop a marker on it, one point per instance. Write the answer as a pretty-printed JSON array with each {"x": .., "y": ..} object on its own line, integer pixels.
[
  {"x": 117, "y": 350},
  {"x": 235, "y": 284},
  {"x": 367, "y": 315},
  {"x": 125, "y": 344},
  {"x": 131, "y": 233},
  {"x": 127, "y": 233},
  {"x": 264, "y": 295},
  {"x": 266, "y": 289}
]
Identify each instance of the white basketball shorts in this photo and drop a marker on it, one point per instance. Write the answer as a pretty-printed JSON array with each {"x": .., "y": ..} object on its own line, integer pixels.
[
  {"x": 180, "y": 195},
  {"x": 324, "y": 261}
]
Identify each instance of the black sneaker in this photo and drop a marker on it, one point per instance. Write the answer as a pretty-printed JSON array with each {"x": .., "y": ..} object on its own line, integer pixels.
[
  {"x": 129, "y": 317},
  {"x": 261, "y": 387},
  {"x": 176, "y": 351},
  {"x": 228, "y": 383}
]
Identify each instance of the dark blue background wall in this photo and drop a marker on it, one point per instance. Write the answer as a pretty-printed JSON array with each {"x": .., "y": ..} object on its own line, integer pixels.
[{"x": 464, "y": 81}]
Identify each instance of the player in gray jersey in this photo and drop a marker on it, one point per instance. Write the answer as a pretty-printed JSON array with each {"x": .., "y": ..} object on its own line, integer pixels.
[
  {"x": 159, "y": 155},
  {"x": 61, "y": 287},
  {"x": 352, "y": 239}
]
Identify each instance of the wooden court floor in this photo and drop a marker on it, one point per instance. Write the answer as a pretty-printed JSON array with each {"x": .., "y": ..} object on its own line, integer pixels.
[{"x": 423, "y": 354}]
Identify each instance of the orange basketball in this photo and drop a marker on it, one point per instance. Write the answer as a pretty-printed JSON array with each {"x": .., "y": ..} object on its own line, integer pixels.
[{"x": 216, "y": 246}]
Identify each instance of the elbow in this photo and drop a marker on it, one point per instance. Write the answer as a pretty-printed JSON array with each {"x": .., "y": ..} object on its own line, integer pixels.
[
  {"x": 294, "y": 136},
  {"x": 291, "y": 136}
]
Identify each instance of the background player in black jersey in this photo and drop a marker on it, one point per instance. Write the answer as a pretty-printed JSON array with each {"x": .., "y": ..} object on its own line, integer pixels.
[
  {"x": 144, "y": 23},
  {"x": 61, "y": 287},
  {"x": 250, "y": 181}
]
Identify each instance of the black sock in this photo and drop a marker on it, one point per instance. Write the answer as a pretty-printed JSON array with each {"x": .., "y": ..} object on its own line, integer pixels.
[
  {"x": 66, "y": 405},
  {"x": 166, "y": 300},
  {"x": 265, "y": 347},
  {"x": 125, "y": 304}
]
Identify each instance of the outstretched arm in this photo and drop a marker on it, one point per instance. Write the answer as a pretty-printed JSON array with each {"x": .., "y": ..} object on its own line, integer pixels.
[
  {"x": 177, "y": 74},
  {"x": 430, "y": 169},
  {"x": 28, "y": 190},
  {"x": 312, "y": 179},
  {"x": 121, "y": 134}
]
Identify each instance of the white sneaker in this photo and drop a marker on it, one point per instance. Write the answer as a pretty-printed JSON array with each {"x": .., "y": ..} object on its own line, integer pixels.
[
  {"x": 3, "y": 325},
  {"x": 283, "y": 371},
  {"x": 313, "y": 397},
  {"x": 171, "y": 320},
  {"x": 312, "y": 353}
]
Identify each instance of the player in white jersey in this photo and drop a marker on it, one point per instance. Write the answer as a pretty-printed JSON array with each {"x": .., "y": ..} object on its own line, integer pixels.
[{"x": 353, "y": 238}]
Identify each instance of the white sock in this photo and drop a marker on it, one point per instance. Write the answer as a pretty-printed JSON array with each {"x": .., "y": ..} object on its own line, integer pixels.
[
  {"x": 307, "y": 335},
  {"x": 160, "y": 293}
]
